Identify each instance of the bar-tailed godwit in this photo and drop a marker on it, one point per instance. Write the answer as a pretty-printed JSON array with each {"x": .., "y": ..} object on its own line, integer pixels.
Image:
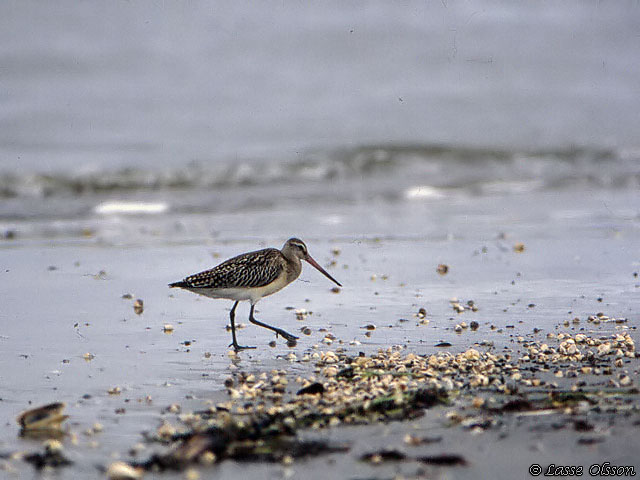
[{"x": 251, "y": 276}]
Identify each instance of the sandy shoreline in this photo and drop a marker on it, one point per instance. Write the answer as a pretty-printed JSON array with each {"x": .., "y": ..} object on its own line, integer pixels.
[{"x": 59, "y": 306}]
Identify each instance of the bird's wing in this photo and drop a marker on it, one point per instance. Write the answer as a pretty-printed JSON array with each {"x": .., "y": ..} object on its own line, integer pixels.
[{"x": 249, "y": 270}]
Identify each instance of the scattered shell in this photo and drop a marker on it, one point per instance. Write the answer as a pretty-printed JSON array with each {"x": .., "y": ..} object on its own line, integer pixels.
[
  {"x": 625, "y": 380},
  {"x": 123, "y": 471},
  {"x": 138, "y": 306},
  {"x": 191, "y": 474},
  {"x": 167, "y": 328},
  {"x": 442, "y": 269},
  {"x": 519, "y": 247},
  {"x": 458, "y": 308},
  {"x": 47, "y": 417},
  {"x": 207, "y": 458}
]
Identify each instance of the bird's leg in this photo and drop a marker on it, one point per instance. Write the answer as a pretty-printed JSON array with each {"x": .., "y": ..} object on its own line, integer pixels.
[
  {"x": 286, "y": 335},
  {"x": 232, "y": 316}
]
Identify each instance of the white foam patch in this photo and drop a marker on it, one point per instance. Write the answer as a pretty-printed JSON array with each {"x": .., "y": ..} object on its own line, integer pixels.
[
  {"x": 110, "y": 208},
  {"x": 332, "y": 220},
  {"x": 423, "y": 191}
]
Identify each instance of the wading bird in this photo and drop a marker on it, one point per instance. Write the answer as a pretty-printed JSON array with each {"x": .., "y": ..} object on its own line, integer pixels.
[{"x": 251, "y": 276}]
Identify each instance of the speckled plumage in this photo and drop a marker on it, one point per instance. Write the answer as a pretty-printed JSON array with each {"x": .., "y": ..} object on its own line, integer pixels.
[{"x": 249, "y": 270}]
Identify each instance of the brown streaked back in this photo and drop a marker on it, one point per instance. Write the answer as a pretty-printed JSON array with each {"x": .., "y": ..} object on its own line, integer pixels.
[{"x": 249, "y": 270}]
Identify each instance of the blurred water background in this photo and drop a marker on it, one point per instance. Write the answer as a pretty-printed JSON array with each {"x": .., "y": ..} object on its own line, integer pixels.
[{"x": 170, "y": 109}]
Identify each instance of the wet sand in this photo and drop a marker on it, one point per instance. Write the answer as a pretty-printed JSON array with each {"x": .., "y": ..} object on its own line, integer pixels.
[{"x": 63, "y": 299}]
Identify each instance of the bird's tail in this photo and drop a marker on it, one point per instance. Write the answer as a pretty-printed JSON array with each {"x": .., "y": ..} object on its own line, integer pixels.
[{"x": 180, "y": 284}]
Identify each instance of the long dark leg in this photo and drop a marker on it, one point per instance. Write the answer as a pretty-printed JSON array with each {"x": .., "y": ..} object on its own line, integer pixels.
[
  {"x": 232, "y": 316},
  {"x": 287, "y": 336}
]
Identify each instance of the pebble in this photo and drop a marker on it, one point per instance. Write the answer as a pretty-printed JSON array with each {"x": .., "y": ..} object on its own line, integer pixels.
[
  {"x": 123, "y": 471},
  {"x": 138, "y": 306}
]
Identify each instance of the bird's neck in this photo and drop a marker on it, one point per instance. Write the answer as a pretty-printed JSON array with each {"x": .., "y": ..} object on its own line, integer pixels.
[{"x": 294, "y": 267}]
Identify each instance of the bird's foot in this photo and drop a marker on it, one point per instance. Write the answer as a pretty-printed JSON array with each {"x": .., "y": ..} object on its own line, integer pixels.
[
  {"x": 237, "y": 347},
  {"x": 286, "y": 335}
]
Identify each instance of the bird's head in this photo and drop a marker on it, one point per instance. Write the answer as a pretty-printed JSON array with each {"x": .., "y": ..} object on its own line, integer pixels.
[{"x": 295, "y": 248}]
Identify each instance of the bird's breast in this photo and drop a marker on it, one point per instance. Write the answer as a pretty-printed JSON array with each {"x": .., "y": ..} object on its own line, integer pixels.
[{"x": 278, "y": 284}]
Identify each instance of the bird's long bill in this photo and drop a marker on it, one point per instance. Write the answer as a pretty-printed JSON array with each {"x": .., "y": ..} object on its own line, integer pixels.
[{"x": 322, "y": 270}]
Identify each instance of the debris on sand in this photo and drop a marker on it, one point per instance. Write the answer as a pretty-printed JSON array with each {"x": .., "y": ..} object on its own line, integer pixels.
[
  {"x": 388, "y": 455},
  {"x": 267, "y": 410},
  {"x": 51, "y": 457}
]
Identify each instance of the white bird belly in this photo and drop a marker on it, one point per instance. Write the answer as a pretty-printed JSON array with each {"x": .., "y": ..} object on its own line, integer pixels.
[{"x": 241, "y": 294}]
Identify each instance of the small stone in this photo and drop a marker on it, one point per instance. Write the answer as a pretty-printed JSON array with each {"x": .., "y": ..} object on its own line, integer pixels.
[
  {"x": 625, "y": 380},
  {"x": 474, "y": 325},
  {"x": 207, "y": 458},
  {"x": 167, "y": 328},
  {"x": 442, "y": 269},
  {"x": 53, "y": 446},
  {"x": 191, "y": 474},
  {"x": 519, "y": 247}
]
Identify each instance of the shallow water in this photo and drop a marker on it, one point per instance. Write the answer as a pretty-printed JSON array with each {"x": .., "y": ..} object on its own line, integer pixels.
[{"x": 160, "y": 84}]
